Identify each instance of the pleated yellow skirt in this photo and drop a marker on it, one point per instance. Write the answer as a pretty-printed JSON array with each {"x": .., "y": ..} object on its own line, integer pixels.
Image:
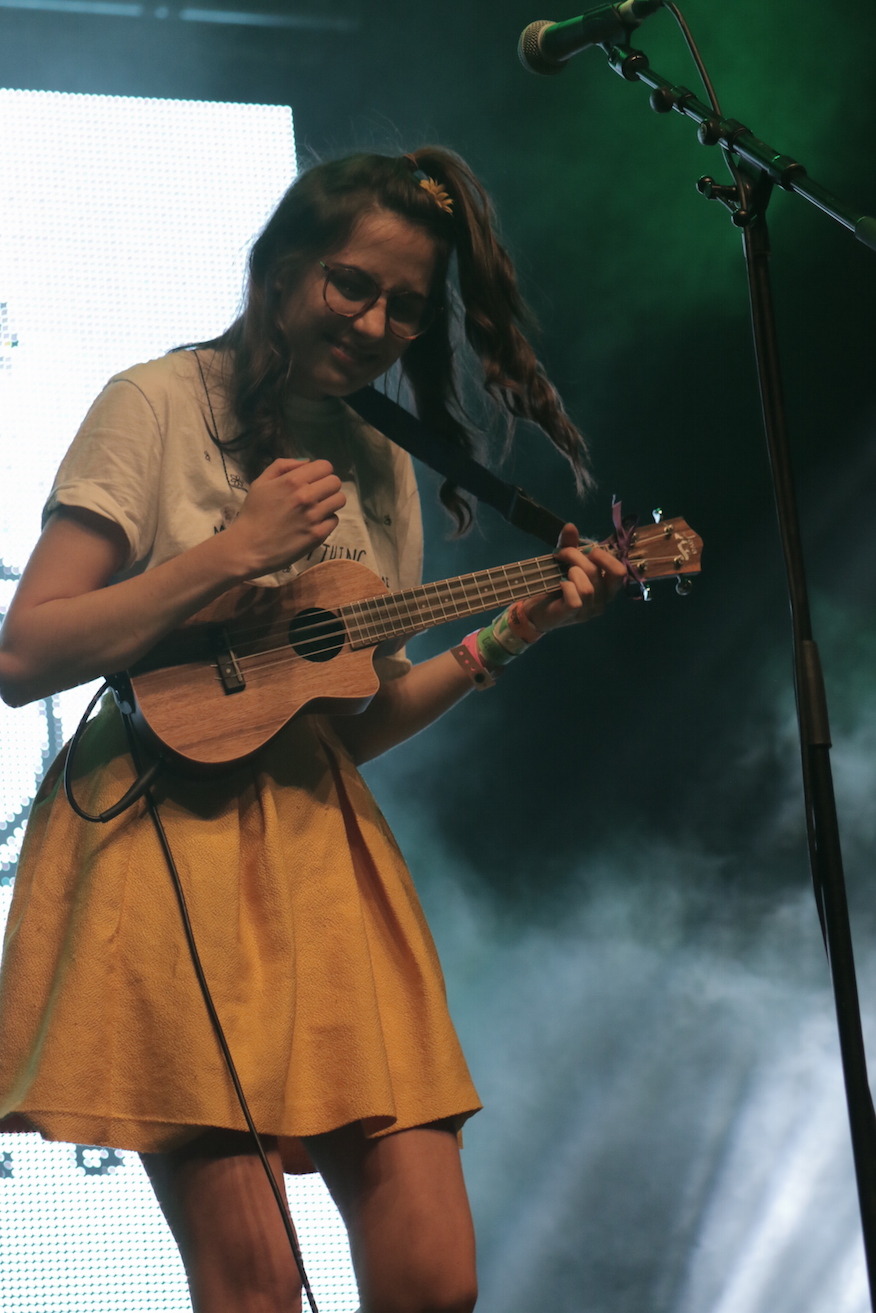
[{"x": 313, "y": 941}]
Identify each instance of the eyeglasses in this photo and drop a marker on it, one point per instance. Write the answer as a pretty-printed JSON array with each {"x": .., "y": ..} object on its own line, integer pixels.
[{"x": 351, "y": 292}]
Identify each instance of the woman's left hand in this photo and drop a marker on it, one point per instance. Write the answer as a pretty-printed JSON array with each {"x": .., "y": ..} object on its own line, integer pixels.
[{"x": 593, "y": 577}]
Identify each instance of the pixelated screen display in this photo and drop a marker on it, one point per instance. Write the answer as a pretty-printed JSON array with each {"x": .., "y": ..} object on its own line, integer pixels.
[{"x": 126, "y": 224}]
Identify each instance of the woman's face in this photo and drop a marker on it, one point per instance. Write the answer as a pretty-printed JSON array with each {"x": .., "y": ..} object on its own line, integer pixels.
[{"x": 333, "y": 356}]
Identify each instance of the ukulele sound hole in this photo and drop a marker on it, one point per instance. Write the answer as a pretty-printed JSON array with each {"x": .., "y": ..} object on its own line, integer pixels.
[{"x": 316, "y": 635}]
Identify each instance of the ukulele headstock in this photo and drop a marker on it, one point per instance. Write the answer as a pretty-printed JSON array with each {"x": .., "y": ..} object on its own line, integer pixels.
[{"x": 663, "y": 550}]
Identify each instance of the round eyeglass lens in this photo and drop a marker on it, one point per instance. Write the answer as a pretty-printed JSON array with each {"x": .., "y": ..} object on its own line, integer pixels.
[{"x": 350, "y": 292}]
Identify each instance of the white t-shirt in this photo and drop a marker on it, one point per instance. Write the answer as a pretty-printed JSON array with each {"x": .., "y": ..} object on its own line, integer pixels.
[{"x": 145, "y": 459}]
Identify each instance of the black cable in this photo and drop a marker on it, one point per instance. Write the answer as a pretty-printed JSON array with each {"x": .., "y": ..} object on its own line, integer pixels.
[
  {"x": 696, "y": 57},
  {"x": 142, "y": 789},
  {"x": 137, "y": 789},
  {"x": 152, "y": 808},
  {"x": 743, "y": 183}
]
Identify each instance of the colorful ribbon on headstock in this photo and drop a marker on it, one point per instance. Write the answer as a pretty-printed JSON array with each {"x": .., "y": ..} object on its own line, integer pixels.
[{"x": 624, "y": 532}]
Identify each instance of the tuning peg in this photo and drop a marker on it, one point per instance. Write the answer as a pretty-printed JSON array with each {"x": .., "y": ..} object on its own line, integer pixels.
[
  {"x": 658, "y": 514},
  {"x": 683, "y": 585}
]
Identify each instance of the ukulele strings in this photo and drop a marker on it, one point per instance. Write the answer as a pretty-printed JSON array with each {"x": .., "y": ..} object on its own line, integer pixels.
[
  {"x": 390, "y": 614},
  {"x": 266, "y": 644},
  {"x": 431, "y": 602},
  {"x": 402, "y": 613},
  {"x": 261, "y": 664},
  {"x": 342, "y": 627}
]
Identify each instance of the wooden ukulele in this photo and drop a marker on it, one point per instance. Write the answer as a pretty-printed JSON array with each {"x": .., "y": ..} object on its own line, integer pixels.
[{"x": 220, "y": 687}]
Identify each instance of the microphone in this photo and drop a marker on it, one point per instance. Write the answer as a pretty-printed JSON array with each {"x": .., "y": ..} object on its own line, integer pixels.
[{"x": 544, "y": 46}]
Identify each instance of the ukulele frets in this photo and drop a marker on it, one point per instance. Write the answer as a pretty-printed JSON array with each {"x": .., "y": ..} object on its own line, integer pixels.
[{"x": 396, "y": 615}]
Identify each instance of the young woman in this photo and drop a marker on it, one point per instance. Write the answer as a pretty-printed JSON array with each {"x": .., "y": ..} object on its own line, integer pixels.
[{"x": 236, "y": 462}]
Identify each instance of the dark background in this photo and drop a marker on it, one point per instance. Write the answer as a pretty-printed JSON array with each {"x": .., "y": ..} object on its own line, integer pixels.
[{"x": 611, "y": 846}]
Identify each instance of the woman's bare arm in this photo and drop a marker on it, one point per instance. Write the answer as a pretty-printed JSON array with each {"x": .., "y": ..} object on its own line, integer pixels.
[
  {"x": 408, "y": 704},
  {"x": 65, "y": 626}
]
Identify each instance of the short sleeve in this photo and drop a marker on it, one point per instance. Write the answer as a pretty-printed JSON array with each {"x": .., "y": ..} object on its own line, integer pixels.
[{"x": 113, "y": 466}]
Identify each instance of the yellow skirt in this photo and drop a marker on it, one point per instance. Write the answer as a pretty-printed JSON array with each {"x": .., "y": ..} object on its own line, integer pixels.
[{"x": 313, "y": 941}]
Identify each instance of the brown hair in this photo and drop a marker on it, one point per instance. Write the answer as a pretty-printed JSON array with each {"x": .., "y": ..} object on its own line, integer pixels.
[{"x": 315, "y": 217}]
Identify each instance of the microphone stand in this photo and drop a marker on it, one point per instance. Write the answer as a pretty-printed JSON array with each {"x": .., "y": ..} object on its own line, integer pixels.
[{"x": 760, "y": 169}]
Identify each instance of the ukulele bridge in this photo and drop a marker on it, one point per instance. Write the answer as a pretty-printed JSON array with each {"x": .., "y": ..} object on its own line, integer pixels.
[{"x": 226, "y": 664}]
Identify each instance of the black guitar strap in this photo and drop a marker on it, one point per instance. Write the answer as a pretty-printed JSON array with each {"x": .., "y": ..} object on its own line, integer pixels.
[{"x": 410, "y": 433}]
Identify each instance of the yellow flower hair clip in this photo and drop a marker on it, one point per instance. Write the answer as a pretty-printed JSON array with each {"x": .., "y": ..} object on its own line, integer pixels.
[{"x": 435, "y": 190}]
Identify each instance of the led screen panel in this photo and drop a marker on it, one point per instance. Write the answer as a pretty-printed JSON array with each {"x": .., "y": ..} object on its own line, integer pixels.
[{"x": 126, "y": 223}]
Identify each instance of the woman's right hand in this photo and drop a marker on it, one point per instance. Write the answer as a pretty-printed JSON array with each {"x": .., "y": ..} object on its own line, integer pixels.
[
  {"x": 290, "y": 509},
  {"x": 65, "y": 627}
]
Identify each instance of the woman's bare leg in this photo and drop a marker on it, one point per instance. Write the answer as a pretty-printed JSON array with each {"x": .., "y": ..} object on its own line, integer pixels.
[
  {"x": 224, "y": 1217},
  {"x": 404, "y": 1202}
]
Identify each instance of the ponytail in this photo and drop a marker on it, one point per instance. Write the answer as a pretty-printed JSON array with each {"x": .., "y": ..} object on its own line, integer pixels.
[
  {"x": 495, "y": 320},
  {"x": 435, "y": 190}
]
